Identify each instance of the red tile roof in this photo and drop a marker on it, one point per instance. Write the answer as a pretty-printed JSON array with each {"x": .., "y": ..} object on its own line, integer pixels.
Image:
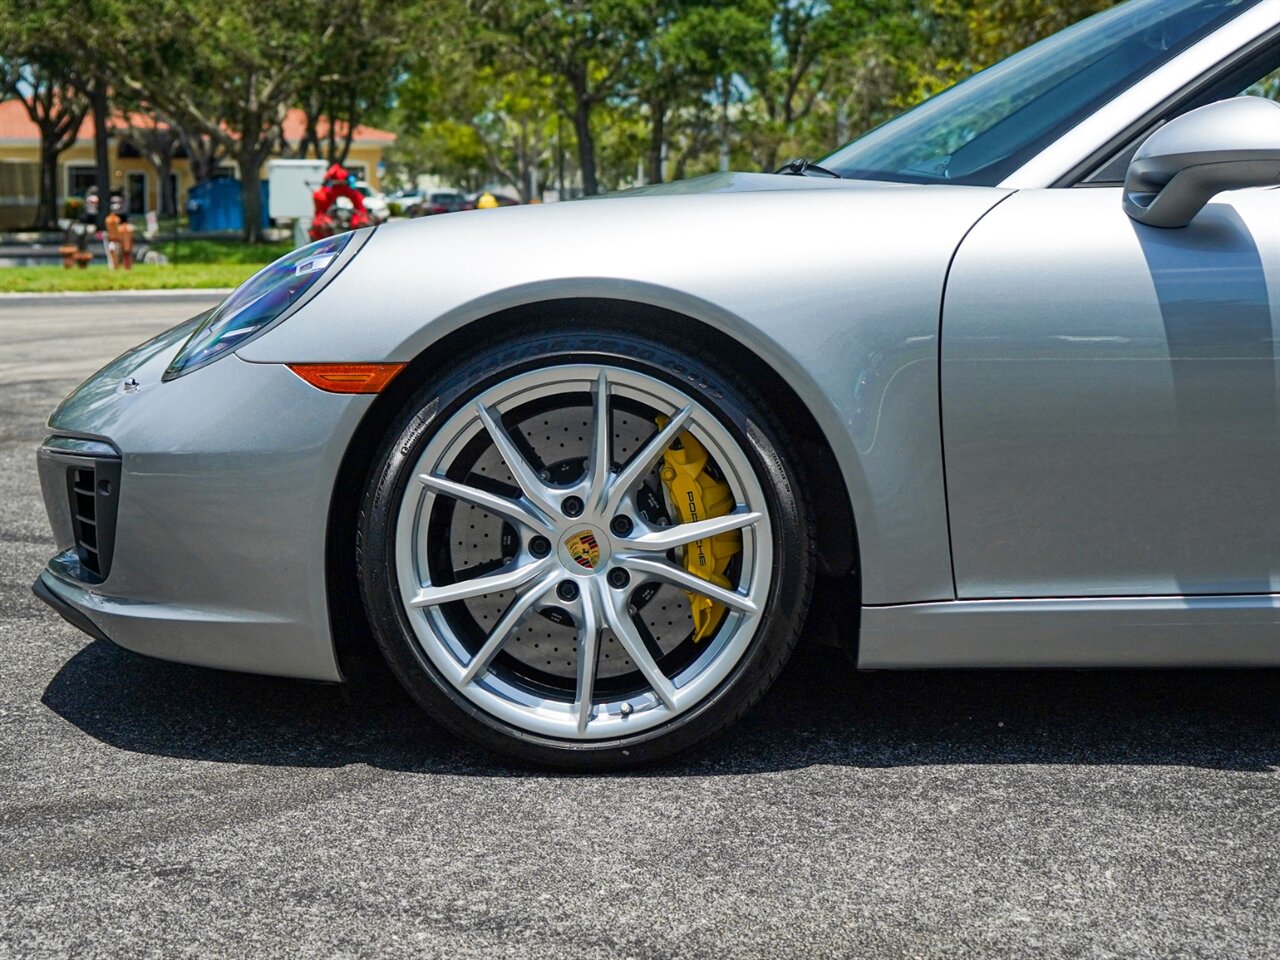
[
  {"x": 295, "y": 124},
  {"x": 15, "y": 124}
]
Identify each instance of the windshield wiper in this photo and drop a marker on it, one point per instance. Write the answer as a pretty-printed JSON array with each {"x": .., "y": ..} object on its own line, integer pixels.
[{"x": 803, "y": 167}]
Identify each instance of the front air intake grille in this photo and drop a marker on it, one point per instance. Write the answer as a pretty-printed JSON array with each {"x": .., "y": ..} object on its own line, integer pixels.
[
  {"x": 84, "y": 518},
  {"x": 80, "y": 480},
  {"x": 93, "y": 495}
]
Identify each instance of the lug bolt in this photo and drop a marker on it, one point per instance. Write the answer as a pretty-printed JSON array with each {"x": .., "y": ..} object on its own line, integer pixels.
[
  {"x": 619, "y": 578},
  {"x": 572, "y": 507},
  {"x": 539, "y": 546},
  {"x": 567, "y": 590},
  {"x": 621, "y": 525}
]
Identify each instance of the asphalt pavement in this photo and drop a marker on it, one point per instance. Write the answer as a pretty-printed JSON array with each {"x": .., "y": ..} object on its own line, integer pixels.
[{"x": 150, "y": 809}]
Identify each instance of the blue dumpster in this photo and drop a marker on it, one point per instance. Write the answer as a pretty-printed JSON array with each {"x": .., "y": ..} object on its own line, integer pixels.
[{"x": 215, "y": 206}]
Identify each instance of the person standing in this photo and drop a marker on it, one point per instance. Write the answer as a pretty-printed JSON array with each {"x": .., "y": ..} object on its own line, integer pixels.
[
  {"x": 88, "y": 223},
  {"x": 125, "y": 229},
  {"x": 92, "y": 202},
  {"x": 114, "y": 234}
]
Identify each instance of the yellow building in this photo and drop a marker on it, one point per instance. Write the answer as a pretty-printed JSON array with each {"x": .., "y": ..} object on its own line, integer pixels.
[{"x": 132, "y": 176}]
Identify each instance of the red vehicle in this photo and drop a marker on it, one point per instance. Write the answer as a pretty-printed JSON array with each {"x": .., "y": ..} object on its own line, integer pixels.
[{"x": 339, "y": 205}]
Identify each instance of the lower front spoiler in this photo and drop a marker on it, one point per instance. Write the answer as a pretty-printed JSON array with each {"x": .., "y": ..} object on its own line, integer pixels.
[
  {"x": 73, "y": 616},
  {"x": 222, "y": 637}
]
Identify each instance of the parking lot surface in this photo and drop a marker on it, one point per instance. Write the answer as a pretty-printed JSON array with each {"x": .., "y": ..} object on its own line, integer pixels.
[{"x": 151, "y": 809}]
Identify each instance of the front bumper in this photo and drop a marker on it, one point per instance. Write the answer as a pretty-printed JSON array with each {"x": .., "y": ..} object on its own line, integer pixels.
[{"x": 218, "y": 511}]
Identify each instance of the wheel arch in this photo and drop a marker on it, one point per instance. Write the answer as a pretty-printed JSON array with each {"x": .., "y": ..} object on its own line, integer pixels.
[{"x": 836, "y": 532}]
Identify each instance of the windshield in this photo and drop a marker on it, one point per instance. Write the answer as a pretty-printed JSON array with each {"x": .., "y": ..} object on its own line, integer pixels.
[{"x": 985, "y": 127}]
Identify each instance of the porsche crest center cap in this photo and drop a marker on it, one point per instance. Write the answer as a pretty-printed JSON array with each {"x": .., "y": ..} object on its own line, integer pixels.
[{"x": 584, "y": 549}]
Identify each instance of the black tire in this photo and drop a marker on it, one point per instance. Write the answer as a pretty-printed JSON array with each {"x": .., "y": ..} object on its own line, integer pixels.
[{"x": 739, "y": 410}]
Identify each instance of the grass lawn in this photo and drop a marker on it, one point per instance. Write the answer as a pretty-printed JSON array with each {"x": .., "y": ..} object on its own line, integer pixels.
[
  {"x": 230, "y": 250},
  {"x": 141, "y": 277}
]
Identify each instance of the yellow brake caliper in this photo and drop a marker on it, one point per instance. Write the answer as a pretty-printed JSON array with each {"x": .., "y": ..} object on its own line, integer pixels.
[{"x": 696, "y": 495}]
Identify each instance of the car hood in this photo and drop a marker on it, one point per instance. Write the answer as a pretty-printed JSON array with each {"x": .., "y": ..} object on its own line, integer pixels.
[{"x": 728, "y": 244}]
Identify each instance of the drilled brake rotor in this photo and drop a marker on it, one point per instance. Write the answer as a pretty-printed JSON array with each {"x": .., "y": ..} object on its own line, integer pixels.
[{"x": 547, "y": 643}]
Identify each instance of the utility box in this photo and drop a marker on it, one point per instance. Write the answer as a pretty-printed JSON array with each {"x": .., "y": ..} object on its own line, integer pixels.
[
  {"x": 292, "y": 183},
  {"x": 217, "y": 206}
]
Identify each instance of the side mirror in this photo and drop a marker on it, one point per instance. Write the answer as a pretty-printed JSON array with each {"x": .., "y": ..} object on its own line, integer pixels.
[{"x": 1226, "y": 145}]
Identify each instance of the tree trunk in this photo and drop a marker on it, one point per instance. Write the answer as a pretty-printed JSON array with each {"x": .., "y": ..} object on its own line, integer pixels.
[
  {"x": 47, "y": 210},
  {"x": 657, "y": 136},
  {"x": 725, "y": 93},
  {"x": 250, "y": 161},
  {"x": 311, "y": 135},
  {"x": 102, "y": 168},
  {"x": 586, "y": 142},
  {"x": 341, "y": 156},
  {"x": 204, "y": 157},
  {"x": 168, "y": 203}
]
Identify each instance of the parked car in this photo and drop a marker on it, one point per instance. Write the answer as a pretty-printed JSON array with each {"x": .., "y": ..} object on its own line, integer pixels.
[
  {"x": 993, "y": 386},
  {"x": 374, "y": 202},
  {"x": 406, "y": 198},
  {"x": 440, "y": 201}
]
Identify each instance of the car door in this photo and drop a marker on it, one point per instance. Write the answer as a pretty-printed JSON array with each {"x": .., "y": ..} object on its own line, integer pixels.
[{"x": 1110, "y": 408}]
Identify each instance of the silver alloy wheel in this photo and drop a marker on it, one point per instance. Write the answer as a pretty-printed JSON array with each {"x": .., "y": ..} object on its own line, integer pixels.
[{"x": 548, "y": 578}]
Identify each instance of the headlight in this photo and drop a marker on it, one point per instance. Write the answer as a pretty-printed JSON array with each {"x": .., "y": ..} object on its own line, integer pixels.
[{"x": 257, "y": 303}]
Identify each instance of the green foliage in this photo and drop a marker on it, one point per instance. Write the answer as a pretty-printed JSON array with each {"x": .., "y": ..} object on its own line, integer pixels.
[
  {"x": 533, "y": 93},
  {"x": 964, "y": 36}
]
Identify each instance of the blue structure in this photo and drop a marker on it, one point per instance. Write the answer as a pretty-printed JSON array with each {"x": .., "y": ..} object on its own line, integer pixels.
[{"x": 215, "y": 205}]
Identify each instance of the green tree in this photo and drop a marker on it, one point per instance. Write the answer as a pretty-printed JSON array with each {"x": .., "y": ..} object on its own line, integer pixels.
[
  {"x": 960, "y": 37},
  {"x": 811, "y": 46},
  {"x": 693, "y": 47},
  {"x": 351, "y": 75},
  {"x": 587, "y": 46},
  {"x": 229, "y": 70},
  {"x": 40, "y": 68},
  {"x": 479, "y": 109},
  {"x": 57, "y": 109}
]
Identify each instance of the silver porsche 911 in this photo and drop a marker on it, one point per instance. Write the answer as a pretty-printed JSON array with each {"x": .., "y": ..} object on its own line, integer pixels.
[{"x": 995, "y": 385}]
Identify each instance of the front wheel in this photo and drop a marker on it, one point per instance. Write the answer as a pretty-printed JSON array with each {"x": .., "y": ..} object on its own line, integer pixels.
[{"x": 586, "y": 550}]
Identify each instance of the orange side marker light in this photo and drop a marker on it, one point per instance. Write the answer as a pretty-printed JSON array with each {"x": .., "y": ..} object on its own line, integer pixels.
[{"x": 347, "y": 377}]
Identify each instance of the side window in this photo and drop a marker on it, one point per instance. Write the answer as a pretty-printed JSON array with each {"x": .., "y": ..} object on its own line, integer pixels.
[{"x": 1259, "y": 76}]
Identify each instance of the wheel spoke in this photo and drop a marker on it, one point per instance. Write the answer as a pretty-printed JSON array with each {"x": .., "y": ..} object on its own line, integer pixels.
[
  {"x": 682, "y": 534},
  {"x": 680, "y": 577},
  {"x": 599, "y": 460},
  {"x": 645, "y": 458},
  {"x": 512, "y": 578},
  {"x": 526, "y": 477},
  {"x": 588, "y": 654},
  {"x": 625, "y": 630},
  {"x": 519, "y": 609},
  {"x": 491, "y": 502}
]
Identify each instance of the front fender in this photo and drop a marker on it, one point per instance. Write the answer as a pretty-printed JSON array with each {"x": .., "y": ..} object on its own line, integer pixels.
[{"x": 847, "y": 316}]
